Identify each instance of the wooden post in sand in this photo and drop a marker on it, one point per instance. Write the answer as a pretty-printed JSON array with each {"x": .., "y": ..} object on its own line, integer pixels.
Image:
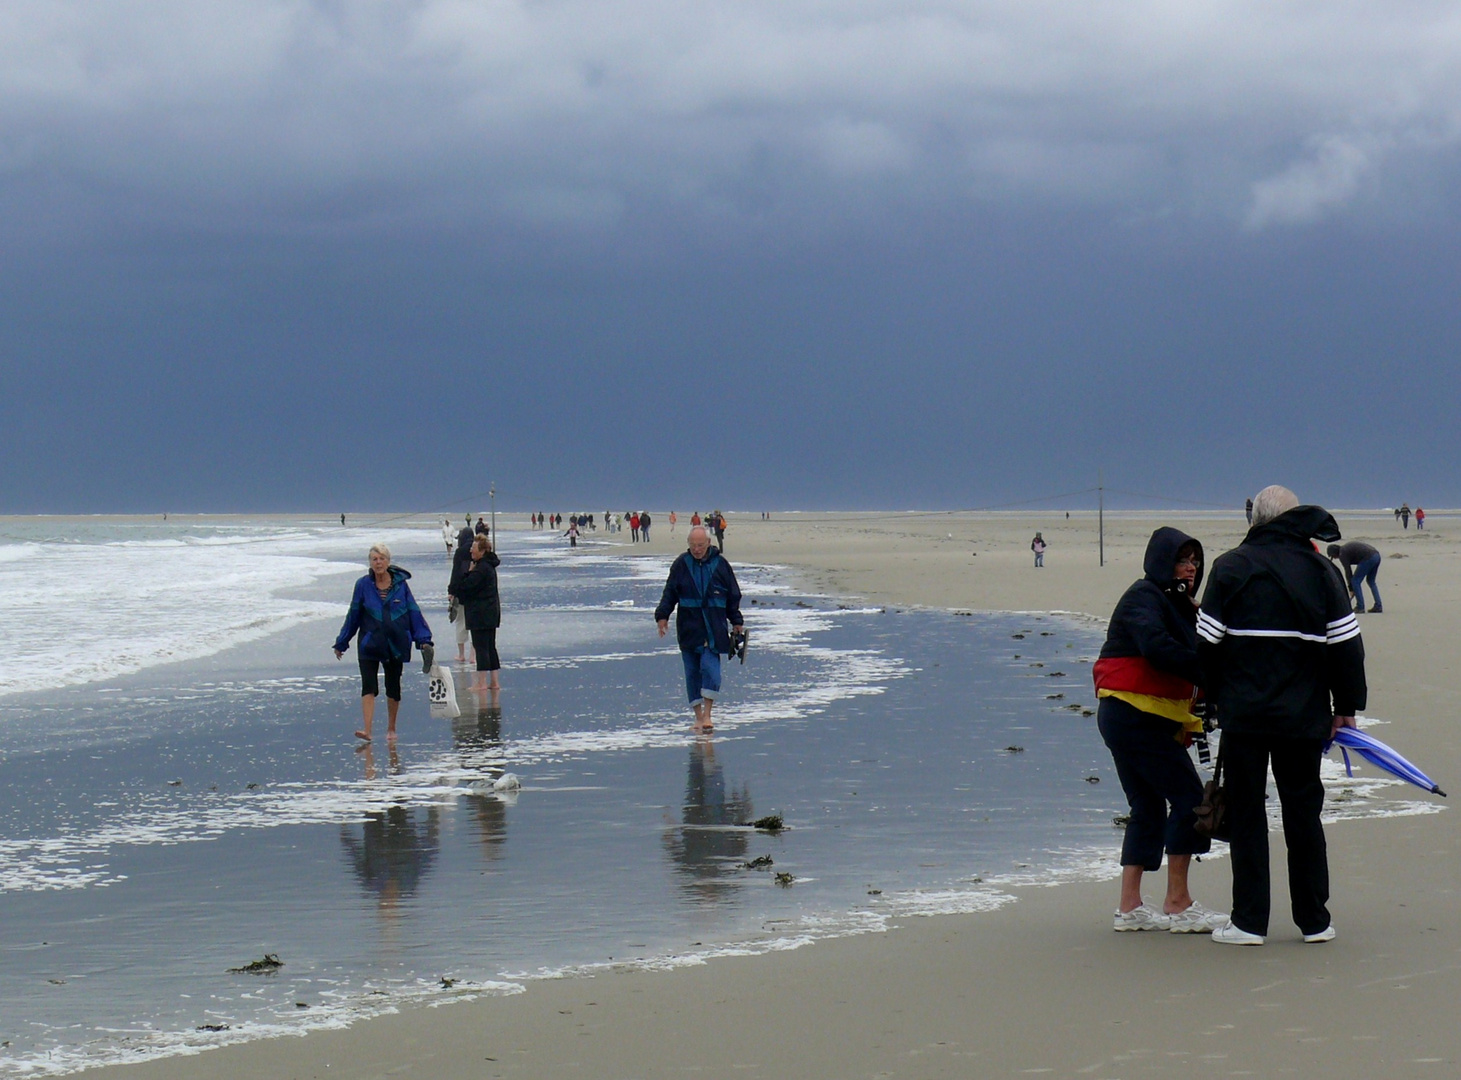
[{"x": 492, "y": 495}]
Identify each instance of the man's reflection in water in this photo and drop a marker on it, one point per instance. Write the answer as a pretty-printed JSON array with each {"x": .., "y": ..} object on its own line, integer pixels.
[
  {"x": 477, "y": 735},
  {"x": 391, "y": 851},
  {"x": 708, "y": 856}
]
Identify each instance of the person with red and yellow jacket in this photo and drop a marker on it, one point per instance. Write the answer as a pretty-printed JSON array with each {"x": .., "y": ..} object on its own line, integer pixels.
[{"x": 1146, "y": 680}]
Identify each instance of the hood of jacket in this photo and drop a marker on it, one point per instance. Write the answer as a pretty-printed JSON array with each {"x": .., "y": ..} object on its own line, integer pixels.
[
  {"x": 1160, "y": 564},
  {"x": 397, "y": 574},
  {"x": 1302, "y": 523}
]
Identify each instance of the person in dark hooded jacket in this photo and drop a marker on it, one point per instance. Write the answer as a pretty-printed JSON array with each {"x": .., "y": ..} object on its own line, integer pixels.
[
  {"x": 703, "y": 586},
  {"x": 1284, "y": 664},
  {"x": 384, "y": 612},
  {"x": 474, "y": 583},
  {"x": 1146, "y": 680}
]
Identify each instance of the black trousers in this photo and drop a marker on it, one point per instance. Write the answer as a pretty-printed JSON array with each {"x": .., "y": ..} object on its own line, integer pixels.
[
  {"x": 1160, "y": 782},
  {"x": 484, "y": 642},
  {"x": 1295, "y": 762},
  {"x": 370, "y": 678}
]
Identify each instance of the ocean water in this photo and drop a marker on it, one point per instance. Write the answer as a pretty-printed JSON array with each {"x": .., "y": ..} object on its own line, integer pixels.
[{"x": 183, "y": 796}]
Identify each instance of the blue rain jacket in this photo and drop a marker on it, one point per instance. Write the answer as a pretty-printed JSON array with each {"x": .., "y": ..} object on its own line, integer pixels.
[
  {"x": 709, "y": 600},
  {"x": 387, "y": 628}
]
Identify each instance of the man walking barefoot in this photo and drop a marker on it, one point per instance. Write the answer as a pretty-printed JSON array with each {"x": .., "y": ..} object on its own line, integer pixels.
[{"x": 703, "y": 585}]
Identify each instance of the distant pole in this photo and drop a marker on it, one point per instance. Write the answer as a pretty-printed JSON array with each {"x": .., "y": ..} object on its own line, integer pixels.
[
  {"x": 1101, "y": 512},
  {"x": 492, "y": 495}
]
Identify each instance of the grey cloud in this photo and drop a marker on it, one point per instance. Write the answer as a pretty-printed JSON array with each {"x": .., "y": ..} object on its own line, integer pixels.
[{"x": 572, "y": 110}]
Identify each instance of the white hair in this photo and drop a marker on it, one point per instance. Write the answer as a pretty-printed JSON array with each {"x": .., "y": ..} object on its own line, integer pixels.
[
  {"x": 379, "y": 549},
  {"x": 697, "y": 528},
  {"x": 1272, "y": 501}
]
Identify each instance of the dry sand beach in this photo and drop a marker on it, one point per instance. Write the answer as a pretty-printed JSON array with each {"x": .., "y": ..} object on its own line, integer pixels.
[{"x": 1041, "y": 986}]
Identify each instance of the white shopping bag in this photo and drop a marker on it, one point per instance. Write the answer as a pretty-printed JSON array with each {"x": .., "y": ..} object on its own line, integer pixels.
[{"x": 443, "y": 694}]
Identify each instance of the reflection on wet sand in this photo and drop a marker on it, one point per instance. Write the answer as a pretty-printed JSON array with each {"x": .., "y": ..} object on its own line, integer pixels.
[
  {"x": 477, "y": 736},
  {"x": 391, "y": 851},
  {"x": 706, "y": 853}
]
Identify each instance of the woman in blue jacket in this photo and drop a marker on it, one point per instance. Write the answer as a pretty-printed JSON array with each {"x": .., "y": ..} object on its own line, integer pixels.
[{"x": 385, "y": 613}]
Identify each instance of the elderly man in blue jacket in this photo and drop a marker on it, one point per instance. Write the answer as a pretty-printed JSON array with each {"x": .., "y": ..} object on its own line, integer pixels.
[{"x": 703, "y": 586}]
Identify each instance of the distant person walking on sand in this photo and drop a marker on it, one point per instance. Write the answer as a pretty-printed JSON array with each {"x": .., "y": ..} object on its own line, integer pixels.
[
  {"x": 1359, "y": 561},
  {"x": 1145, "y": 680},
  {"x": 703, "y": 585},
  {"x": 717, "y": 523},
  {"x": 448, "y": 536},
  {"x": 695, "y": 519},
  {"x": 1248, "y": 510},
  {"x": 1283, "y": 662},
  {"x": 475, "y": 583},
  {"x": 342, "y": 519},
  {"x": 1405, "y": 515},
  {"x": 634, "y": 526},
  {"x": 481, "y": 528},
  {"x": 1037, "y": 545},
  {"x": 673, "y": 518},
  {"x": 1419, "y": 519},
  {"x": 644, "y": 525},
  {"x": 572, "y": 533},
  {"x": 383, "y": 610}
]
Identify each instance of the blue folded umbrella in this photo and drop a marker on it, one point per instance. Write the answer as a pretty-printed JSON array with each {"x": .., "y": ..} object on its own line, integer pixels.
[{"x": 1381, "y": 756}]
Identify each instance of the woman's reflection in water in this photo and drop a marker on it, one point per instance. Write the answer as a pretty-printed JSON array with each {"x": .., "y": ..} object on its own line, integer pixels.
[
  {"x": 477, "y": 735},
  {"x": 392, "y": 852},
  {"x": 706, "y": 853}
]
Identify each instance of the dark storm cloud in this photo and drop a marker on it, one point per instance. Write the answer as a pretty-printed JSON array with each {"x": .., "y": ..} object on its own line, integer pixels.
[
  {"x": 569, "y": 113},
  {"x": 857, "y": 253}
]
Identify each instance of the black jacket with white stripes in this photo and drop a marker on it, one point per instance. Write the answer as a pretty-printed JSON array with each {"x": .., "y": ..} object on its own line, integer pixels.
[{"x": 1280, "y": 647}]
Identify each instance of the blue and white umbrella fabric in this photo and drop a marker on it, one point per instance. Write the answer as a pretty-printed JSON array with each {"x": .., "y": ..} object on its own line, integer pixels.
[{"x": 1381, "y": 756}]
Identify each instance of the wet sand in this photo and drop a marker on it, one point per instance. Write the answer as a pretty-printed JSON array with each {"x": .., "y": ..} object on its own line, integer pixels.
[{"x": 1040, "y": 987}]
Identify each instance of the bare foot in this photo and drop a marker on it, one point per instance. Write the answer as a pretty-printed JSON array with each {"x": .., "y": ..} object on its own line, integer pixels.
[
  {"x": 390, "y": 736},
  {"x": 362, "y": 736}
]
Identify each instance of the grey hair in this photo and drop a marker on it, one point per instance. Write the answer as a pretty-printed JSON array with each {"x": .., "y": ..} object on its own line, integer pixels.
[
  {"x": 1272, "y": 501},
  {"x": 697, "y": 528},
  {"x": 379, "y": 549}
]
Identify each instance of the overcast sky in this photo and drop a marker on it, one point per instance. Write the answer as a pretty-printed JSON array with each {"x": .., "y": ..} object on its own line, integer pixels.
[{"x": 782, "y": 253}]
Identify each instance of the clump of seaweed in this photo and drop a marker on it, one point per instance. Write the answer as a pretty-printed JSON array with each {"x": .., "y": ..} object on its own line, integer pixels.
[
  {"x": 760, "y": 862},
  {"x": 769, "y": 823},
  {"x": 1014, "y": 749},
  {"x": 784, "y": 879},
  {"x": 212, "y": 1027},
  {"x": 1121, "y": 820},
  {"x": 267, "y": 966}
]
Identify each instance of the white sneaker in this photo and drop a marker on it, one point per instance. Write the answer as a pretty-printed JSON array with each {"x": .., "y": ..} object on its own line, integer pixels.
[
  {"x": 1196, "y": 920},
  {"x": 1144, "y": 917},
  {"x": 1231, "y": 934},
  {"x": 1327, "y": 934}
]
